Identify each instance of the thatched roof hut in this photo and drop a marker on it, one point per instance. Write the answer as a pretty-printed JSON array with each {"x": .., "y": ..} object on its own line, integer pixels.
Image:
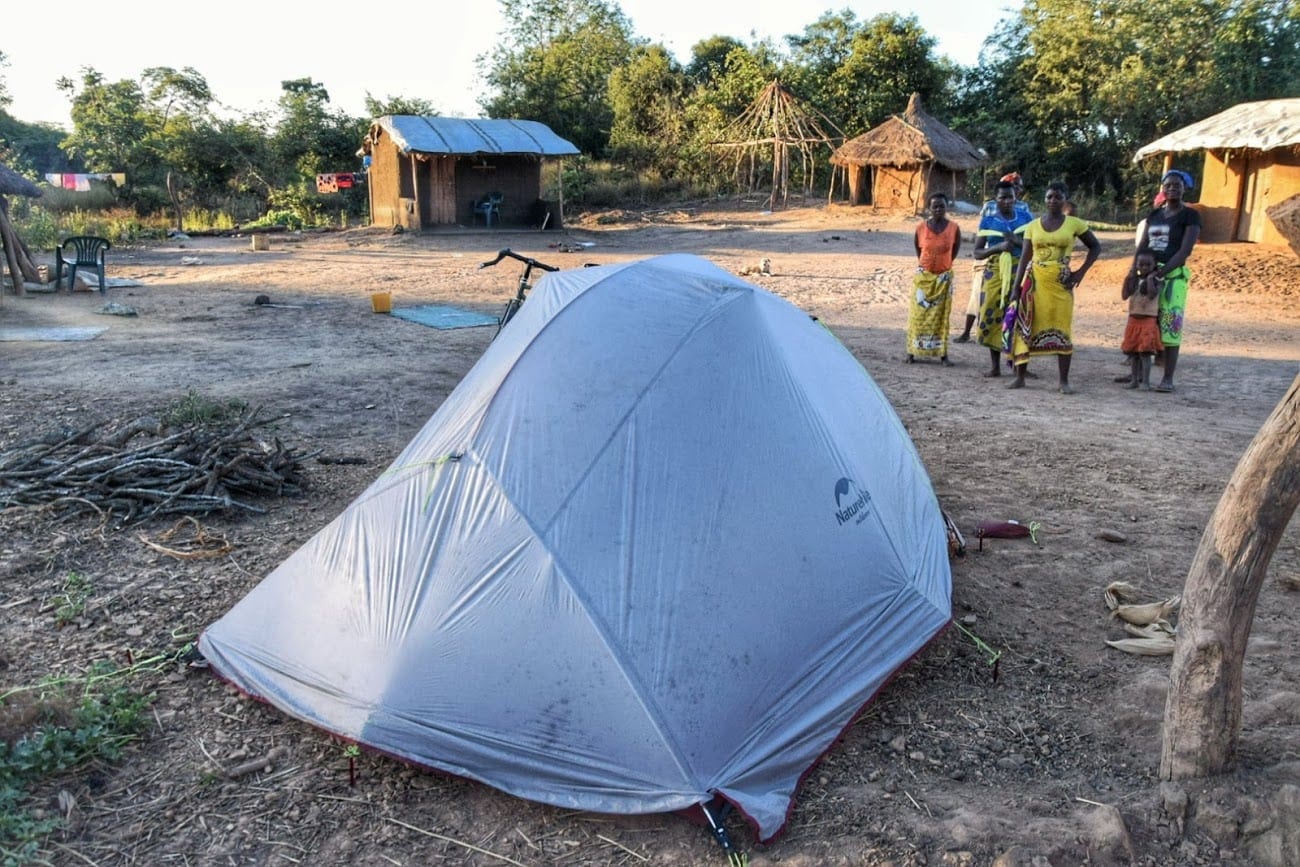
[
  {"x": 14, "y": 184},
  {"x": 1250, "y": 174},
  {"x": 896, "y": 164}
]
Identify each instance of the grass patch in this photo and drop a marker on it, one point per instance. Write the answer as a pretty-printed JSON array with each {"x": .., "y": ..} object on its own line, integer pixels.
[
  {"x": 196, "y": 409},
  {"x": 70, "y": 601},
  {"x": 54, "y": 727}
]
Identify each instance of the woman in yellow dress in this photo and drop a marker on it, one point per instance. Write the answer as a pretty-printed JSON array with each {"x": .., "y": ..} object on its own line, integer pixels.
[
  {"x": 1044, "y": 287},
  {"x": 937, "y": 241}
]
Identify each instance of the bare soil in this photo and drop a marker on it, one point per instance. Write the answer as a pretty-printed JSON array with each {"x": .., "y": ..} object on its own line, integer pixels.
[{"x": 1049, "y": 757}]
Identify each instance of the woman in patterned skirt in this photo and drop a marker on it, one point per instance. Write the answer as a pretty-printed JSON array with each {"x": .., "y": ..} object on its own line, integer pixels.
[
  {"x": 1044, "y": 287},
  {"x": 937, "y": 241}
]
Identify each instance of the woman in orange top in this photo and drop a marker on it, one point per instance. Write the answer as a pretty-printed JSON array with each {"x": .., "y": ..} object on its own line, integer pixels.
[{"x": 938, "y": 240}]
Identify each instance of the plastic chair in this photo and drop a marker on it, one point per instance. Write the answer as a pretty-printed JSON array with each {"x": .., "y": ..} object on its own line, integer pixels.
[
  {"x": 80, "y": 251},
  {"x": 489, "y": 208}
]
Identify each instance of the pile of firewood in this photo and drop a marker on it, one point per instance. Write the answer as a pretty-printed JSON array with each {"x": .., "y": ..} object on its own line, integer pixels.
[{"x": 137, "y": 470}]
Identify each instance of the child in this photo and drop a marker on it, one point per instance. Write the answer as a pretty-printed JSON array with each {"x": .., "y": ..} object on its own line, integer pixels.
[{"x": 1142, "y": 332}]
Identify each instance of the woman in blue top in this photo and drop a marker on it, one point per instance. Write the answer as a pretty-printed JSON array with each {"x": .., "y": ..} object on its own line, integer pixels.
[
  {"x": 991, "y": 208},
  {"x": 997, "y": 244}
]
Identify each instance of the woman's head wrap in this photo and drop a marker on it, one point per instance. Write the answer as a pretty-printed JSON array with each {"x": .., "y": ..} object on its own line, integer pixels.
[{"x": 1181, "y": 175}]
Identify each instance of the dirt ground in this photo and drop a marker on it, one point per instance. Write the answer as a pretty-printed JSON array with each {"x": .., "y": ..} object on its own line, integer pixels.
[{"x": 1052, "y": 761}]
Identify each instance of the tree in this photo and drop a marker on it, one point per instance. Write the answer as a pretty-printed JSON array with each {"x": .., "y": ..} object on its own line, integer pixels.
[
  {"x": 553, "y": 65},
  {"x": 648, "y": 99},
  {"x": 176, "y": 112},
  {"x": 1078, "y": 87},
  {"x": 1203, "y": 708},
  {"x": 109, "y": 126},
  {"x": 859, "y": 74},
  {"x": 5, "y": 98},
  {"x": 399, "y": 105},
  {"x": 309, "y": 140},
  {"x": 727, "y": 76}
]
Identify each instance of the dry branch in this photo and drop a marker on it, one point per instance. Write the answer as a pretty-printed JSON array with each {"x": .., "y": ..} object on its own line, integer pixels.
[{"x": 198, "y": 469}]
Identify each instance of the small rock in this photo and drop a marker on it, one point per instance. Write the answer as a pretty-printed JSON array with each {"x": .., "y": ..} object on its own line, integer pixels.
[
  {"x": 1010, "y": 762},
  {"x": 1112, "y": 536}
]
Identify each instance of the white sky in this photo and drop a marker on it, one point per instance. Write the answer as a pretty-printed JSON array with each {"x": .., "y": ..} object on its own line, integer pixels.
[{"x": 245, "y": 49}]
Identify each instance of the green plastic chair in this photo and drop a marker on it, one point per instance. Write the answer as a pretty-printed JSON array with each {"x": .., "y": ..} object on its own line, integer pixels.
[{"x": 80, "y": 251}]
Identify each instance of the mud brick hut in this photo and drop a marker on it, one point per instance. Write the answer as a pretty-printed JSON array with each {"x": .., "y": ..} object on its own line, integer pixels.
[
  {"x": 1251, "y": 173},
  {"x": 895, "y": 165},
  {"x": 426, "y": 172}
]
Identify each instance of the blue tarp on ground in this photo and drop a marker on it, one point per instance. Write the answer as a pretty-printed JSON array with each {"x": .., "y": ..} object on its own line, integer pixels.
[{"x": 436, "y": 316}]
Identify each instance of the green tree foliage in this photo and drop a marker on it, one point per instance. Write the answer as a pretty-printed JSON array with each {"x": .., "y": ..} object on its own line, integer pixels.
[
  {"x": 725, "y": 77},
  {"x": 5, "y": 99},
  {"x": 109, "y": 123},
  {"x": 1061, "y": 89},
  {"x": 159, "y": 131},
  {"x": 399, "y": 105},
  {"x": 648, "y": 98},
  {"x": 1082, "y": 86},
  {"x": 859, "y": 74},
  {"x": 554, "y": 64},
  {"x": 309, "y": 139},
  {"x": 728, "y": 82}
]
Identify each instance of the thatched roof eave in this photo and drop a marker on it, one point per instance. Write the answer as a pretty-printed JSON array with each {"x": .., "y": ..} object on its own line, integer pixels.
[
  {"x": 14, "y": 184},
  {"x": 1255, "y": 127}
]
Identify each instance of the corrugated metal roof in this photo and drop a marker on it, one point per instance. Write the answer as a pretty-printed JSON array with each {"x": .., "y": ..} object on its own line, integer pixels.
[
  {"x": 456, "y": 135},
  {"x": 1264, "y": 125}
]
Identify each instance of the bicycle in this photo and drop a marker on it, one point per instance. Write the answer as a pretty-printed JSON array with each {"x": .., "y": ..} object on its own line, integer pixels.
[{"x": 521, "y": 292}]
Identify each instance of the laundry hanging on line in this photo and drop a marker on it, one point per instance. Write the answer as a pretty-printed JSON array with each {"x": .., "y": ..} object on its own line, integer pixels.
[
  {"x": 332, "y": 183},
  {"x": 80, "y": 181}
]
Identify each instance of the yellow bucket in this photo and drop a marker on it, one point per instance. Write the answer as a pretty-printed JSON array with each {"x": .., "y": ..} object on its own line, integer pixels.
[{"x": 381, "y": 302}]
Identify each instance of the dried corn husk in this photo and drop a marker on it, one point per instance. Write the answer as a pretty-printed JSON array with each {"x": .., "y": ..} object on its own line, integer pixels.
[
  {"x": 1144, "y": 646},
  {"x": 1148, "y": 622},
  {"x": 1159, "y": 629},
  {"x": 1118, "y": 592},
  {"x": 1147, "y": 613}
]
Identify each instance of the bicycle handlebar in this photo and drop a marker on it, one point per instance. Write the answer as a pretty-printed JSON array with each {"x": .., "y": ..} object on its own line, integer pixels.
[{"x": 507, "y": 253}]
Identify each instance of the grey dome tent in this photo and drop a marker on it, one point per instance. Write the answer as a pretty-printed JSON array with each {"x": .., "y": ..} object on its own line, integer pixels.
[{"x": 659, "y": 547}]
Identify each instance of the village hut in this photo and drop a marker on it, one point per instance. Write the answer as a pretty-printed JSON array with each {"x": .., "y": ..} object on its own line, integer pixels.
[
  {"x": 437, "y": 171},
  {"x": 897, "y": 164},
  {"x": 16, "y": 255},
  {"x": 775, "y": 125},
  {"x": 1251, "y": 173}
]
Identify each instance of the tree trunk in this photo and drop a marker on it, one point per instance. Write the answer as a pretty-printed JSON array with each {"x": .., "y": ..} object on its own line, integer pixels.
[
  {"x": 177, "y": 209},
  {"x": 16, "y": 255},
  {"x": 1203, "y": 710}
]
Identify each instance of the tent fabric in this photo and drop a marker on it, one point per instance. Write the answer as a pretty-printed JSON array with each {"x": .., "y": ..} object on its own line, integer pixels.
[{"x": 662, "y": 543}]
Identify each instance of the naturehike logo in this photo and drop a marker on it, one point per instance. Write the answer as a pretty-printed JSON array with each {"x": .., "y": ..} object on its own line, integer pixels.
[{"x": 850, "y": 502}]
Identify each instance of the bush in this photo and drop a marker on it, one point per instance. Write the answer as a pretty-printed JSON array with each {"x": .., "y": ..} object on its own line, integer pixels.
[
  {"x": 60, "y": 201},
  {"x": 46, "y": 733},
  {"x": 38, "y": 229}
]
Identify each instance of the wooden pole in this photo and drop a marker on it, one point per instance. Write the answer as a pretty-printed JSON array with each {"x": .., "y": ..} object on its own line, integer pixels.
[{"x": 1203, "y": 709}]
